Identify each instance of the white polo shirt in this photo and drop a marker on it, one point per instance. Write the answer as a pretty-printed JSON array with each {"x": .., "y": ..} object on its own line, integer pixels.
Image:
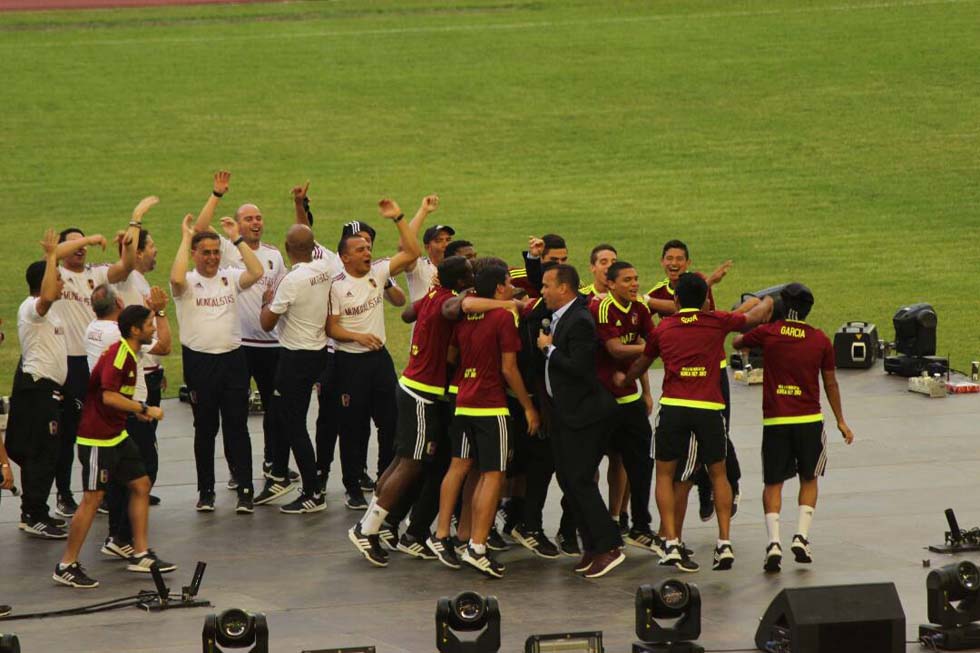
[
  {"x": 207, "y": 312},
  {"x": 250, "y": 300},
  {"x": 103, "y": 333},
  {"x": 303, "y": 300},
  {"x": 421, "y": 279},
  {"x": 134, "y": 291},
  {"x": 74, "y": 309},
  {"x": 43, "y": 345},
  {"x": 359, "y": 301}
]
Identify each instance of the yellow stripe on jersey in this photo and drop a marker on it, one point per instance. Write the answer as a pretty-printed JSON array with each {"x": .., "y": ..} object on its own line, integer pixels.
[
  {"x": 91, "y": 442},
  {"x": 121, "y": 354},
  {"x": 691, "y": 403},
  {"x": 517, "y": 272},
  {"x": 665, "y": 282},
  {"x": 798, "y": 419},
  {"x": 424, "y": 387},
  {"x": 481, "y": 412},
  {"x": 628, "y": 399}
]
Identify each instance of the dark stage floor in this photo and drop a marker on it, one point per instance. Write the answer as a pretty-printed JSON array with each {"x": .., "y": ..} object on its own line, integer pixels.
[{"x": 881, "y": 504}]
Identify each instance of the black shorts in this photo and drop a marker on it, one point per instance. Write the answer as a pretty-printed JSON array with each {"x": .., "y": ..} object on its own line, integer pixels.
[
  {"x": 694, "y": 435},
  {"x": 486, "y": 438},
  {"x": 120, "y": 463},
  {"x": 419, "y": 425},
  {"x": 793, "y": 449}
]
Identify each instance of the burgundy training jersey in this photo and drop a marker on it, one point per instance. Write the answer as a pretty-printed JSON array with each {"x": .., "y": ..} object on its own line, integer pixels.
[
  {"x": 794, "y": 352},
  {"x": 100, "y": 425},
  {"x": 690, "y": 343},
  {"x": 481, "y": 339},
  {"x": 663, "y": 291},
  {"x": 626, "y": 324},
  {"x": 426, "y": 369}
]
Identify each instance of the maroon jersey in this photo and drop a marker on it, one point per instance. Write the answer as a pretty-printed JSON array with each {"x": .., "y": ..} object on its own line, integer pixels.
[
  {"x": 794, "y": 352},
  {"x": 690, "y": 343},
  {"x": 663, "y": 291},
  {"x": 481, "y": 339},
  {"x": 626, "y": 324},
  {"x": 592, "y": 295},
  {"x": 100, "y": 425},
  {"x": 426, "y": 369},
  {"x": 518, "y": 278}
]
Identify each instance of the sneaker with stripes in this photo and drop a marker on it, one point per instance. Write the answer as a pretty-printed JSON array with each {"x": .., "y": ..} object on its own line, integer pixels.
[
  {"x": 724, "y": 558},
  {"x": 483, "y": 563},
  {"x": 535, "y": 541},
  {"x": 116, "y": 549},
  {"x": 368, "y": 545},
  {"x": 305, "y": 503},
  {"x": 640, "y": 538},
  {"x": 444, "y": 551},
  {"x": 73, "y": 576},
  {"x": 389, "y": 536},
  {"x": 495, "y": 541},
  {"x": 42, "y": 528},
  {"x": 143, "y": 563},
  {"x": 415, "y": 547},
  {"x": 273, "y": 490},
  {"x": 675, "y": 557},
  {"x": 801, "y": 549}
]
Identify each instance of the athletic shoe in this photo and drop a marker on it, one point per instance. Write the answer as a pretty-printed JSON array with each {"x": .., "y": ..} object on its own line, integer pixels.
[
  {"x": 801, "y": 549},
  {"x": 73, "y": 576},
  {"x": 736, "y": 497},
  {"x": 507, "y": 520},
  {"x": 5, "y": 610},
  {"x": 245, "y": 505},
  {"x": 536, "y": 542},
  {"x": 458, "y": 545},
  {"x": 675, "y": 557},
  {"x": 724, "y": 558},
  {"x": 389, "y": 536},
  {"x": 624, "y": 523},
  {"x": 103, "y": 508},
  {"x": 232, "y": 484},
  {"x": 115, "y": 549},
  {"x": 206, "y": 502},
  {"x": 267, "y": 473},
  {"x": 154, "y": 500},
  {"x": 411, "y": 545},
  {"x": 584, "y": 563},
  {"x": 706, "y": 504},
  {"x": 444, "y": 551},
  {"x": 603, "y": 563},
  {"x": 272, "y": 491},
  {"x": 355, "y": 500},
  {"x": 483, "y": 563},
  {"x": 568, "y": 545},
  {"x": 41, "y": 528},
  {"x": 65, "y": 506},
  {"x": 658, "y": 545},
  {"x": 368, "y": 545},
  {"x": 641, "y": 538},
  {"x": 686, "y": 550},
  {"x": 495, "y": 542},
  {"x": 54, "y": 521},
  {"x": 774, "y": 557},
  {"x": 142, "y": 563},
  {"x": 366, "y": 483},
  {"x": 305, "y": 503}
]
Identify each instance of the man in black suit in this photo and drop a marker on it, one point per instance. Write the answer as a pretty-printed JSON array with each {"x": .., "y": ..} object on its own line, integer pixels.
[{"x": 579, "y": 407}]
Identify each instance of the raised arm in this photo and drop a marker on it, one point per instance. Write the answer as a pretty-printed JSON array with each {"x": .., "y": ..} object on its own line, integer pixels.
[
  {"x": 758, "y": 313},
  {"x": 253, "y": 266},
  {"x": 221, "y": 179},
  {"x": 390, "y": 210},
  {"x": 119, "y": 271},
  {"x": 719, "y": 273},
  {"x": 429, "y": 204},
  {"x": 301, "y": 204},
  {"x": 49, "y": 282},
  {"x": 178, "y": 272},
  {"x": 67, "y": 248},
  {"x": 832, "y": 390}
]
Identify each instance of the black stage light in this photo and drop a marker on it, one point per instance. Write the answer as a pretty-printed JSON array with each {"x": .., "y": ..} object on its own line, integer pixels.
[
  {"x": 953, "y": 601},
  {"x": 658, "y": 605},
  {"x": 589, "y": 642},
  {"x": 9, "y": 644},
  {"x": 236, "y": 628},
  {"x": 468, "y": 623},
  {"x": 915, "y": 330}
]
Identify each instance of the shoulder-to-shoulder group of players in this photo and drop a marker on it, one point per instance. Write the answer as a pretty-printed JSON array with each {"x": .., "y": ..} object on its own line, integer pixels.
[{"x": 515, "y": 375}]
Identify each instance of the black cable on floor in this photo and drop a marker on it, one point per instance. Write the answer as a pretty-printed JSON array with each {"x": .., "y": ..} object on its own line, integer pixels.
[{"x": 104, "y": 606}]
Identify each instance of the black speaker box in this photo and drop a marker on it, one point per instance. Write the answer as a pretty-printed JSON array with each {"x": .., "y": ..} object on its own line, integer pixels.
[
  {"x": 856, "y": 345},
  {"x": 834, "y": 619}
]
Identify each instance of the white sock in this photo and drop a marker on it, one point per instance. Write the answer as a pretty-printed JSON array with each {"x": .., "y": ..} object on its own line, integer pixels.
[
  {"x": 373, "y": 518},
  {"x": 721, "y": 543},
  {"x": 673, "y": 542},
  {"x": 479, "y": 549},
  {"x": 772, "y": 526},
  {"x": 806, "y": 516}
]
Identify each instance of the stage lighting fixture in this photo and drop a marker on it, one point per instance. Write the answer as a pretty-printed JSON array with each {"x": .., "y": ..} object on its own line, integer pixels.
[
  {"x": 236, "y": 628},
  {"x": 9, "y": 644},
  {"x": 668, "y": 618},
  {"x": 468, "y": 623},
  {"x": 915, "y": 330},
  {"x": 953, "y": 602},
  {"x": 565, "y": 643}
]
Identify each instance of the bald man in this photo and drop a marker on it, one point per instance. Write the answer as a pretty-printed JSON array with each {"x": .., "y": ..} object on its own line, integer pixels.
[
  {"x": 261, "y": 348},
  {"x": 298, "y": 308}
]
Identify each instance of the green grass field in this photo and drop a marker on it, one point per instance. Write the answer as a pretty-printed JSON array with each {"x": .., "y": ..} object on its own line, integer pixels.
[{"x": 832, "y": 142}]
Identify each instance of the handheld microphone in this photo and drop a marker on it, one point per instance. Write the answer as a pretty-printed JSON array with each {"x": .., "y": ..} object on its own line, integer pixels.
[{"x": 546, "y": 326}]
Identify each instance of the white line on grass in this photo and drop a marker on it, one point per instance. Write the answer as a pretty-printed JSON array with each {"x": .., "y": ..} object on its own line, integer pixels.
[{"x": 479, "y": 27}]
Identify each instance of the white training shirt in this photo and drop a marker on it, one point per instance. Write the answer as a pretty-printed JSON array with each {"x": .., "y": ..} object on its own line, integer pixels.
[
  {"x": 74, "y": 309},
  {"x": 103, "y": 333},
  {"x": 250, "y": 300},
  {"x": 332, "y": 258},
  {"x": 303, "y": 300},
  {"x": 134, "y": 291},
  {"x": 207, "y": 312},
  {"x": 359, "y": 301},
  {"x": 421, "y": 279},
  {"x": 43, "y": 345}
]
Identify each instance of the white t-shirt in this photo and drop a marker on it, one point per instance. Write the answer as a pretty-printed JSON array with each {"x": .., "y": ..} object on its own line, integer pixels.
[
  {"x": 303, "y": 300},
  {"x": 359, "y": 301},
  {"x": 103, "y": 333},
  {"x": 134, "y": 291},
  {"x": 250, "y": 300},
  {"x": 74, "y": 309},
  {"x": 207, "y": 312},
  {"x": 332, "y": 258},
  {"x": 43, "y": 345},
  {"x": 421, "y": 279}
]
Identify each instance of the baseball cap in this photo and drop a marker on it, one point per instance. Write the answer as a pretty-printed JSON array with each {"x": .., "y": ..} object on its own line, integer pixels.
[
  {"x": 433, "y": 231},
  {"x": 356, "y": 227}
]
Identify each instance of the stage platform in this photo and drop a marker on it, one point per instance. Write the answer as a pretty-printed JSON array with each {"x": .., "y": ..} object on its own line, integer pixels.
[{"x": 881, "y": 503}]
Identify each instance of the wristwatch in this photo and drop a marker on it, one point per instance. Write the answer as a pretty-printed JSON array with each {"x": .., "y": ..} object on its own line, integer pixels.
[
  {"x": 143, "y": 408},
  {"x": 161, "y": 314}
]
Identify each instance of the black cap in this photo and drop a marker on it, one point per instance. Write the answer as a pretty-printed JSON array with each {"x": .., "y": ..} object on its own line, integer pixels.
[
  {"x": 356, "y": 227},
  {"x": 795, "y": 293},
  {"x": 433, "y": 231}
]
